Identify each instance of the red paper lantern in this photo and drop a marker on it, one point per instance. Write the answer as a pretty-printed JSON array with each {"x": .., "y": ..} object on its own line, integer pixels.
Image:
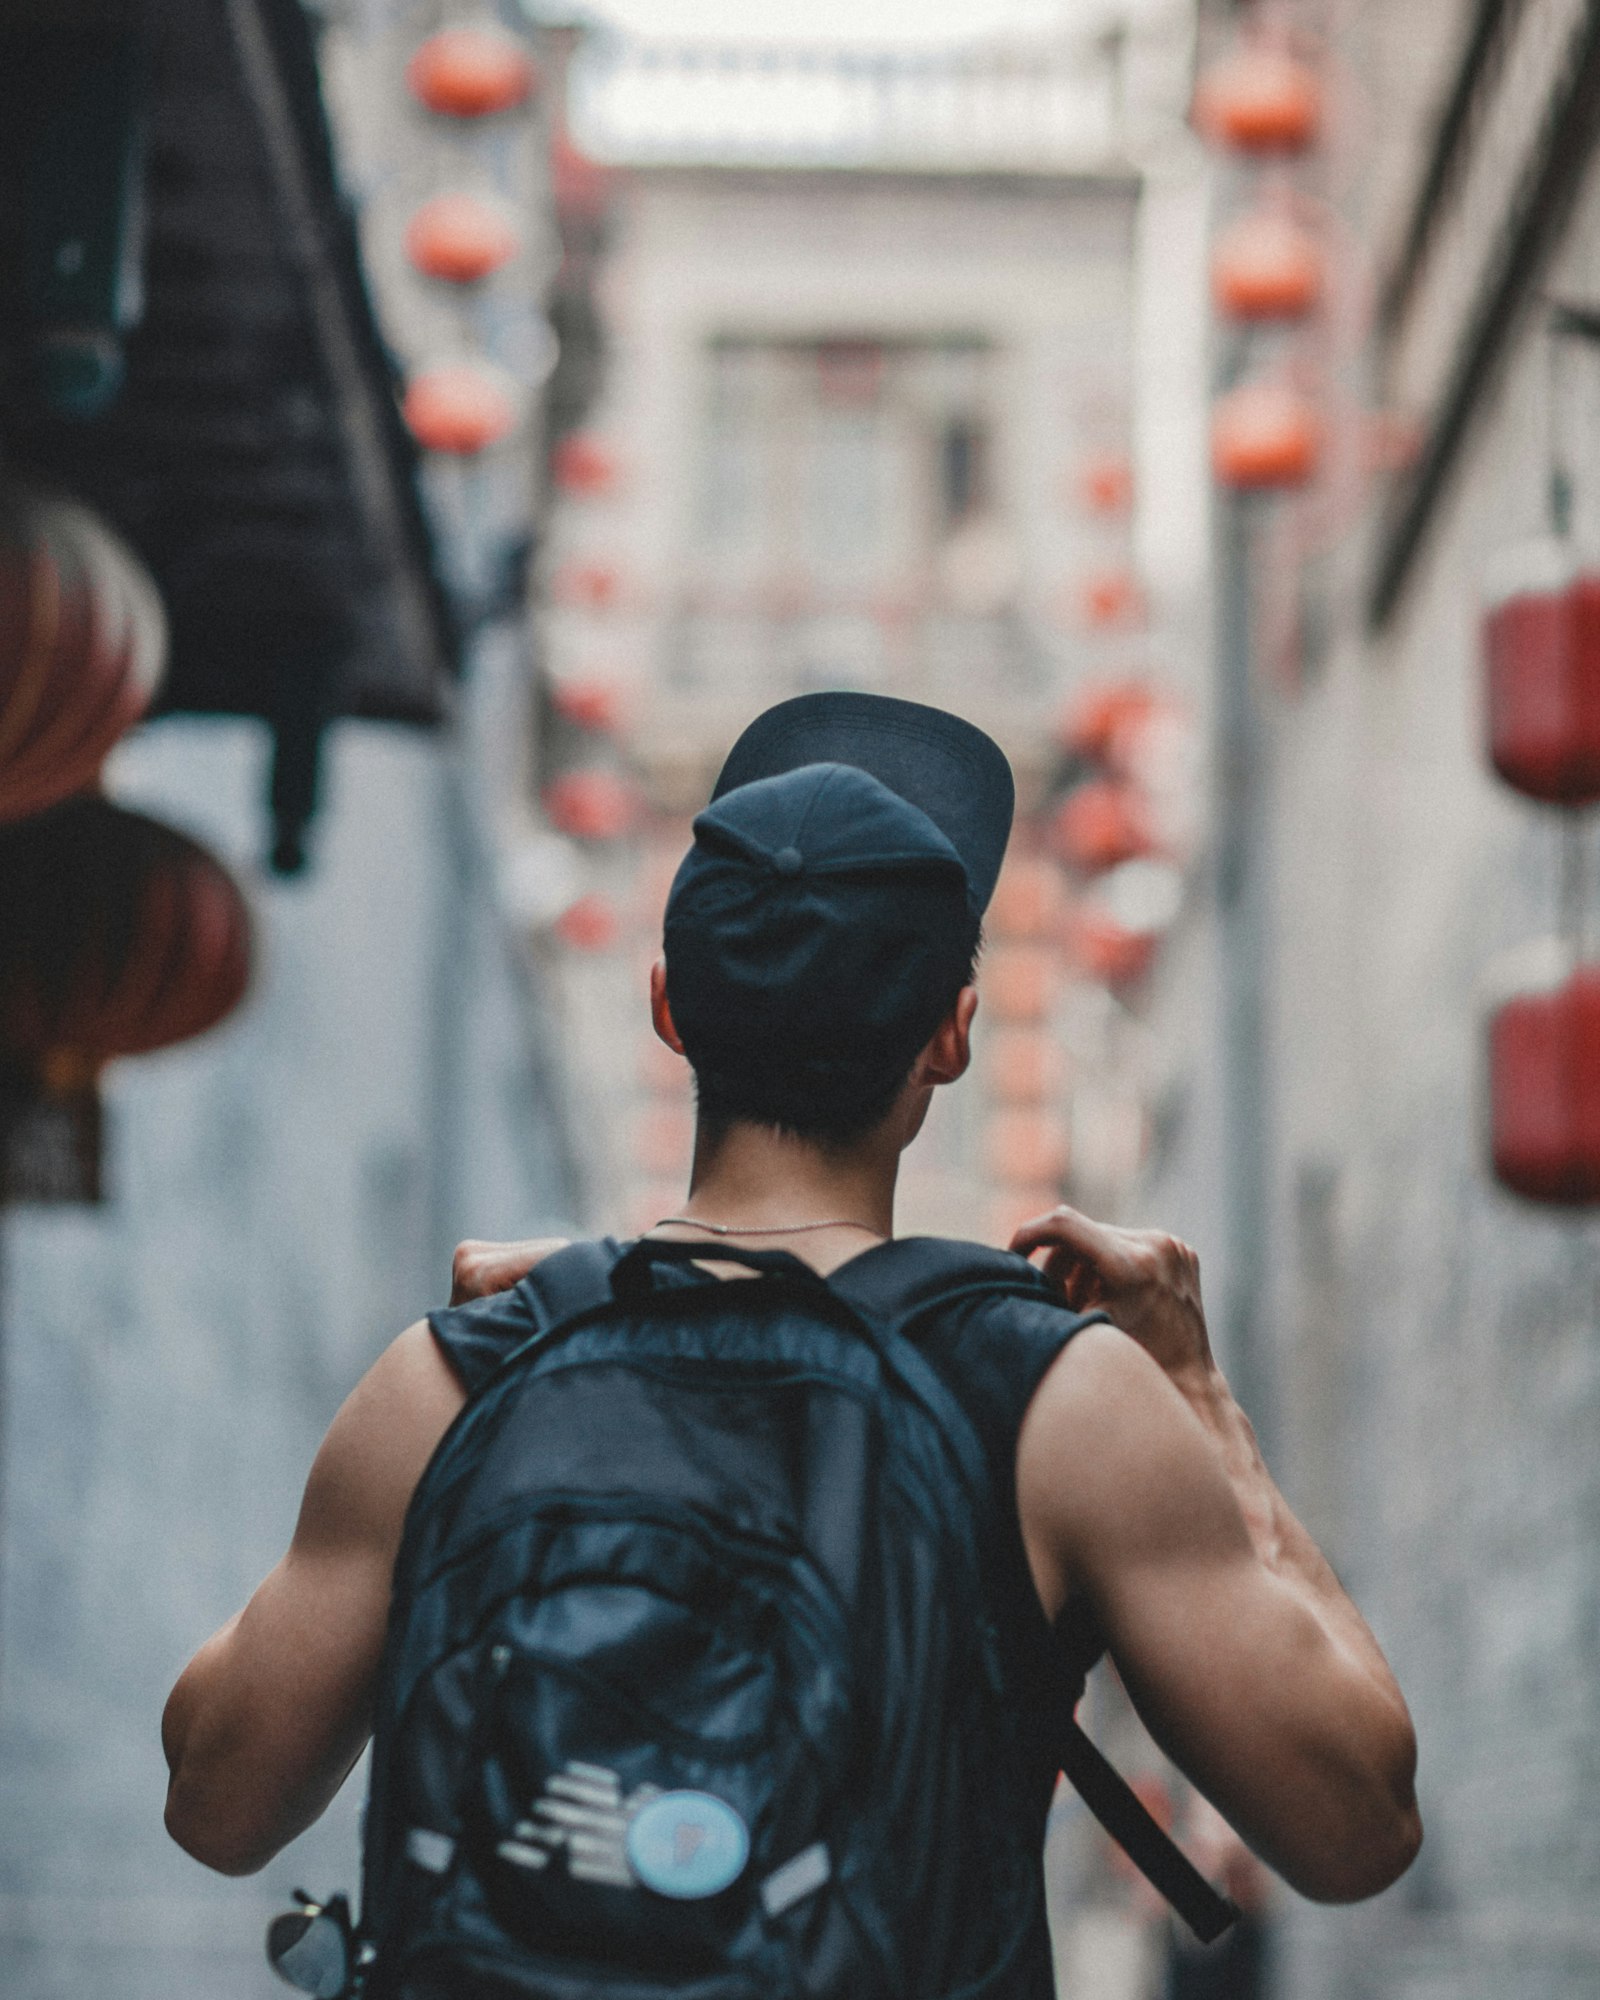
[
  {"x": 588, "y": 586},
  {"x": 1101, "y": 824},
  {"x": 663, "y": 1139},
  {"x": 583, "y": 464},
  {"x": 459, "y": 408},
  {"x": 1104, "y": 950},
  {"x": 662, "y": 1071},
  {"x": 1266, "y": 267},
  {"x": 1541, "y": 642},
  {"x": 1014, "y": 1206},
  {"x": 1025, "y": 1065},
  {"x": 580, "y": 186},
  {"x": 595, "y": 705},
  {"x": 589, "y": 924},
  {"x": 1018, "y": 981},
  {"x": 1112, "y": 598},
  {"x": 82, "y": 647},
  {"x": 460, "y": 238},
  {"x": 1101, "y": 717},
  {"x": 1108, "y": 484},
  {"x": 591, "y": 805},
  {"x": 1264, "y": 435},
  {"x": 471, "y": 71},
  {"x": 1027, "y": 899},
  {"x": 121, "y": 936},
  {"x": 1259, "y": 99},
  {"x": 1027, "y": 1147},
  {"x": 1544, "y": 1092}
]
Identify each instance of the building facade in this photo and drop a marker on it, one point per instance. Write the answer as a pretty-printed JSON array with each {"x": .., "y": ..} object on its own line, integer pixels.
[
  {"x": 905, "y": 425},
  {"x": 1426, "y": 1337}
]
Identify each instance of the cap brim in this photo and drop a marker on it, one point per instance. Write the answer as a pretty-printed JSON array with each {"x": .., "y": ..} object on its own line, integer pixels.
[{"x": 958, "y": 776}]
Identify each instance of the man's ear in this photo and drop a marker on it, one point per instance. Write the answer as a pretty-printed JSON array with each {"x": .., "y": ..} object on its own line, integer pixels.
[
  {"x": 660, "y": 1012},
  {"x": 949, "y": 1048}
]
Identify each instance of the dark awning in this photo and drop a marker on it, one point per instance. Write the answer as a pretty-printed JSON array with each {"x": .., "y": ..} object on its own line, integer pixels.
[{"x": 253, "y": 454}]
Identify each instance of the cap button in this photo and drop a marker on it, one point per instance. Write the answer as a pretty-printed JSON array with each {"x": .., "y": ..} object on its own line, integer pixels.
[{"x": 788, "y": 861}]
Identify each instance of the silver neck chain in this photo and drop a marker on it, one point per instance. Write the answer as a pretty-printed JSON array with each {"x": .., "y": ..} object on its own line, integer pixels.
[{"x": 766, "y": 1228}]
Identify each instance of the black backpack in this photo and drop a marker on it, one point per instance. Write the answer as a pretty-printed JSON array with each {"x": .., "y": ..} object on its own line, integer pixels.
[{"x": 690, "y": 1688}]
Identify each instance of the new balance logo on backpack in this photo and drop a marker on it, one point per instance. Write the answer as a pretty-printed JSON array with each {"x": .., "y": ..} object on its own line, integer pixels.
[
  {"x": 582, "y": 1814},
  {"x": 691, "y": 1686}
]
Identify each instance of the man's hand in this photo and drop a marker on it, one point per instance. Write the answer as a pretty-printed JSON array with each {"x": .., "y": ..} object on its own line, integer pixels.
[
  {"x": 477, "y": 1269},
  {"x": 1147, "y": 1283}
]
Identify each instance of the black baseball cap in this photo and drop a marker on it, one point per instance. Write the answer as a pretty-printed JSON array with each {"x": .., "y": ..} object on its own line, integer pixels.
[
  {"x": 824, "y": 917},
  {"x": 934, "y": 760}
]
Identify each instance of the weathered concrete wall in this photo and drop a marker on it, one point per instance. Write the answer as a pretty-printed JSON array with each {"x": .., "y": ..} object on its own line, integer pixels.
[
  {"x": 285, "y": 1192},
  {"x": 1438, "y": 1353}
]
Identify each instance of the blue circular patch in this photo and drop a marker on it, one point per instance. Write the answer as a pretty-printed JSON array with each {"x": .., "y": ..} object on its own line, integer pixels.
[{"x": 687, "y": 1845}]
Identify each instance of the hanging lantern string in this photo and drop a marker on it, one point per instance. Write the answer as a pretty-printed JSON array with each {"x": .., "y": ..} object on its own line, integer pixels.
[
  {"x": 1574, "y": 883},
  {"x": 1560, "y": 502},
  {"x": 1558, "y": 491},
  {"x": 1566, "y": 322}
]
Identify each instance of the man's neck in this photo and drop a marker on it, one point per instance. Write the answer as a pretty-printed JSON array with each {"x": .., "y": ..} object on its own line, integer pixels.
[{"x": 763, "y": 1187}]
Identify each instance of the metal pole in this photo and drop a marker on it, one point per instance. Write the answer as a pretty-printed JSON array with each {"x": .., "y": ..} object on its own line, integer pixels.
[{"x": 1241, "y": 899}]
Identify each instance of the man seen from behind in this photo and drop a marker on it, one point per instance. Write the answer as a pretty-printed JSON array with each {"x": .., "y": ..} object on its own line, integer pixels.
[{"x": 819, "y": 963}]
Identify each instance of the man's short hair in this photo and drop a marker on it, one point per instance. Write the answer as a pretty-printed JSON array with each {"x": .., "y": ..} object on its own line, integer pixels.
[
  {"x": 817, "y": 932},
  {"x": 830, "y": 1103}
]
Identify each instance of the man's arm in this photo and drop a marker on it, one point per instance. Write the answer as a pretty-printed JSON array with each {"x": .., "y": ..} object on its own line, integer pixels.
[
  {"x": 1141, "y": 1486},
  {"x": 268, "y": 1717}
]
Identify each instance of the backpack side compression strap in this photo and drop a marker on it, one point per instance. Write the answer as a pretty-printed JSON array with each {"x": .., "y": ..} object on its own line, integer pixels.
[{"x": 1156, "y": 1855}]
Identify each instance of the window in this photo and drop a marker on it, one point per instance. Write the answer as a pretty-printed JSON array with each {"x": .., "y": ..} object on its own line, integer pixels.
[{"x": 837, "y": 469}]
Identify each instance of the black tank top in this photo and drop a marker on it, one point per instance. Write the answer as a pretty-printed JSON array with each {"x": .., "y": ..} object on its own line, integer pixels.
[{"x": 991, "y": 1354}]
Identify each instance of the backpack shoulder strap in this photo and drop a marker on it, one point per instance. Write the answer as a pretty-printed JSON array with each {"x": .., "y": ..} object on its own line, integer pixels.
[
  {"x": 568, "y": 1282},
  {"x": 913, "y": 1275},
  {"x": 906, "y": 1280},
  {"x": 893, "y": 1288},
  {"x": 478, "y": 1338},
  {"x": 566, "y": 1287}
]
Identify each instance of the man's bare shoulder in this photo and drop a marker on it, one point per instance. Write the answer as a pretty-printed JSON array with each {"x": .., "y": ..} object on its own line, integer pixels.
[
  {"x": 380, "y": 1441},
  {"x": 1101, "y": 1375},
  {"x": 1111, "y": 1457}
]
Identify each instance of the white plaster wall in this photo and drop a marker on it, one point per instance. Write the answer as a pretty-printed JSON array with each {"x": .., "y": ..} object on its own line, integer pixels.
[{"x": 281, "y": 1207}]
